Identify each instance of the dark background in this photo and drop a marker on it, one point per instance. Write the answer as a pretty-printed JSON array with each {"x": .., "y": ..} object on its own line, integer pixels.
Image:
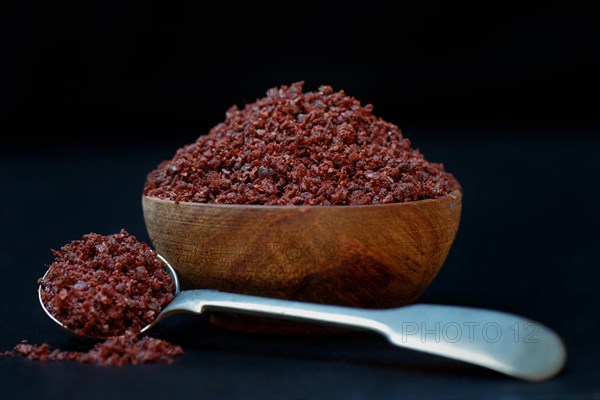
[
  {"x": 93, "y": 73},
  {"x": 92, "y": 97}
]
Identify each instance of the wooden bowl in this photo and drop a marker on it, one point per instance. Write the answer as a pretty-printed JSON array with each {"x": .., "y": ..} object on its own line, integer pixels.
[{"x": 373, "y": 256}]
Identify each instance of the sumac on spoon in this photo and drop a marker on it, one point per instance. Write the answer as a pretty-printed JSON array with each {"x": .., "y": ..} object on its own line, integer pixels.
[{"x": 106, "y": 287}]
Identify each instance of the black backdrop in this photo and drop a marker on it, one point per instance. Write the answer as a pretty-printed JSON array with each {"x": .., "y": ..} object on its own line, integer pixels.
[
  {"x": 94, "y": 96},
  {"x": 96, "y": 72}
]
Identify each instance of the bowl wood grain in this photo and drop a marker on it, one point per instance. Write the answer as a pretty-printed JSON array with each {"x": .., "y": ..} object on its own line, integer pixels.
[{"x": 374, "y": 256}]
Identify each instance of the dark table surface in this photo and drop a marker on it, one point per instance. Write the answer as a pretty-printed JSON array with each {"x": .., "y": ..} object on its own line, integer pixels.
[{"x": 527, "y": 244}]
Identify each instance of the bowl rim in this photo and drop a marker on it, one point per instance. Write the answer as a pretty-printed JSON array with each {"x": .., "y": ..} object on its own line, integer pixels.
[{"x": 454, "y": 195}]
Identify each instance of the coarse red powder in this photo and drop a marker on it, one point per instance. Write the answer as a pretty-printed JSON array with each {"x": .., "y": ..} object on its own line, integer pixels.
[
  {"x": 104, "y": 286},
  {"x": 116, "y": 351},
  {"x": 295, "y": 148}
]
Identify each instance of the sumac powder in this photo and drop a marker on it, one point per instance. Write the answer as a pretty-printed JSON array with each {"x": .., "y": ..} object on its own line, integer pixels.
[
  {"x": 106, "y": 286},
  {"x": 294, "y": 148},
  {"x": 116, "y": 351}
]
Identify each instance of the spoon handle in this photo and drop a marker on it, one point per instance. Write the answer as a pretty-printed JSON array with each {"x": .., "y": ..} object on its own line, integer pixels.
[{"x": 503, "y": 342}]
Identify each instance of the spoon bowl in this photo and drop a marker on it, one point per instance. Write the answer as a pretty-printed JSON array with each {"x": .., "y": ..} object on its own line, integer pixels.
[{"x": 168, "y": 268}]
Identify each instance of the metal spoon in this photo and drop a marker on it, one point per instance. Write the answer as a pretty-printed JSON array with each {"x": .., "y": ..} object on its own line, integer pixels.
[{"x": 506, "y": 343}]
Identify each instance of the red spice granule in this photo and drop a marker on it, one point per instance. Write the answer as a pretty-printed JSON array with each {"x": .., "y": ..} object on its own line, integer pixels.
[
  {"x": 295, "y": 148},
  {"x": 130, "y": 349},
  {"x": 43, "y": 352},
  {"x": 106, "y": 286},
  {"x": 116, "y": 351}
]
